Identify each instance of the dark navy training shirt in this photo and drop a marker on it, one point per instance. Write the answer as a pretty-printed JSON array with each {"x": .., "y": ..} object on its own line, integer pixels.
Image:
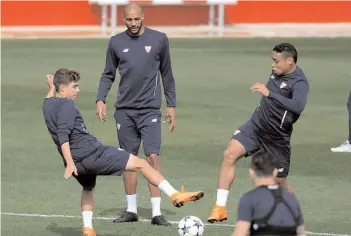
[
  {"x": 65, "y": 124},
  {"x": 141, "y": 62},
  {"x": 277, "y": 113},
  {"x": 257, "y": 203}
]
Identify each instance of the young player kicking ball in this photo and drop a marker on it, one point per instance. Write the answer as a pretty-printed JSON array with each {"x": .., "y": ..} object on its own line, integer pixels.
[{"x": 84, "y": 156}]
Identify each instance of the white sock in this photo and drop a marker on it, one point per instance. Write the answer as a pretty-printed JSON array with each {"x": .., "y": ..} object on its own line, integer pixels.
[
  {"x": 132, "y": 203},
  {"x": 88, "y": 219},
  {"x": 166, "y": 188},
  {"x": 222, "y": 197},
  {"x": 156, "y": 206}
]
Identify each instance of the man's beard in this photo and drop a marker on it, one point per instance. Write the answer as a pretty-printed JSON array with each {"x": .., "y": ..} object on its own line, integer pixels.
[{"x": 136, "y": 33}]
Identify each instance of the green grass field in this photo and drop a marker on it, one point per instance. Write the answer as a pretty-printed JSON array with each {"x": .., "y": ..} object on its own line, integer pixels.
[{"x": 213, "y": 78}]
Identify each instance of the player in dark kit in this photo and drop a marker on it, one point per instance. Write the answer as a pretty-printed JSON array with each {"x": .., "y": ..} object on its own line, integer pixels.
[
  {"x": 142, "y": 58},
  {"x": 269, "y": 209},
  {"x": 346, "y": 146},
  {"x": 85, "y": 156},
  {"x": 271, "y": 125}
]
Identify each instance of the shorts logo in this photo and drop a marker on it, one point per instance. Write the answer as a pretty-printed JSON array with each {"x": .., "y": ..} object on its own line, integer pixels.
[
  {"x": 147, "y": 49},
  {"x": 280, "y": 170},
  {"x": 118, "y": 126},
  {"x": 236, "y": 132},
  {"x": 154, "y": 120}
]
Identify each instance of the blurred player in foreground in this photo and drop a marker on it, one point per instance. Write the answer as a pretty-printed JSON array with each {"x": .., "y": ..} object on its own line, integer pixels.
[
  {"x": 85, "y": 156},
  {"x": 346, "y": 146},
  {"x": 269, "y": 209},
  {"x": 271, "y": 125},
  {"x": 142, "y": 57}
]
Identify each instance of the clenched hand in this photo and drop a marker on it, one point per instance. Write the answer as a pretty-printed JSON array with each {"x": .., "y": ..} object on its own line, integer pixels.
[{"x": 261, "y": 88}]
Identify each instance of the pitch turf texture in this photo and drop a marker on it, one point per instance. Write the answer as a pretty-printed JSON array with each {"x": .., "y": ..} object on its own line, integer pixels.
[{"x": 213, "y": 78}]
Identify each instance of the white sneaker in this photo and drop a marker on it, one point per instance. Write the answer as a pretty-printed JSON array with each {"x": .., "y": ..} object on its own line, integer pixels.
[{"x": 345, "y": 147}]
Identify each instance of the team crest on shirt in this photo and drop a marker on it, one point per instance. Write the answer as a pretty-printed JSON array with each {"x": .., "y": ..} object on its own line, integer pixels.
[
  {"x": 147, "y": 49},
  {"x": 283, "y": 85}
]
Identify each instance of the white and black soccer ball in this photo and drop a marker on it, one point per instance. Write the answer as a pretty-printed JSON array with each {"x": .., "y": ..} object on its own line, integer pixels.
[{"x": 190, "y": 226}]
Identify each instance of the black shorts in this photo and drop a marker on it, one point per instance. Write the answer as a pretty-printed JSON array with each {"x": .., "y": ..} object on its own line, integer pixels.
[
  {"x": 107, "y": 160},
  {"x": 253, "y": 140},
  {"x": 134, "y": 125}
]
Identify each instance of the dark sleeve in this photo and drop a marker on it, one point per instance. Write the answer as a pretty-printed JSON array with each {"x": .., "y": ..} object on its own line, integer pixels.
[
  {"x": 167, "y": 74},
  {"x": 65, "y": 121},
  {"x": 109, "y": 74},
  {"x": 245, "y": 209},
  {"x": 299, "y": 97}
]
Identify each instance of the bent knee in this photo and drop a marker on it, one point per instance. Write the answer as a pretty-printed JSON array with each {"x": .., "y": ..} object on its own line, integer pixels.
[
  {"x": 230, "y": 156},
  {"x": 234, "y": 152},
  {"x": 153, "y": 159},
  {"x": 135, "y": 163}
]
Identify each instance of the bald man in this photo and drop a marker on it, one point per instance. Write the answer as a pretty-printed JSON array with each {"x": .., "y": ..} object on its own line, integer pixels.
[{"x": 142, "y": 58}]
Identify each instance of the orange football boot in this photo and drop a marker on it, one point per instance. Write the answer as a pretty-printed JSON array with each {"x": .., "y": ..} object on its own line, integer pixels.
[
  {"x": 179, "y": 198},
  {"x": 219, "y": 213},
  {"x": 88, "y": 232}
]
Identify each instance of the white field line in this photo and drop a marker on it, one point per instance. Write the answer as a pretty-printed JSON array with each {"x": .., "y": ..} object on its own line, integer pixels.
[{"x": 142, "y": 220}]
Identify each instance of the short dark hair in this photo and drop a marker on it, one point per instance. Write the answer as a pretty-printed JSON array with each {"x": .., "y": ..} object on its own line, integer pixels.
[
  {"x": 65, "y": 76},
  {"x": 263, "y": 164},
  {"x": 287, "y": 49}
]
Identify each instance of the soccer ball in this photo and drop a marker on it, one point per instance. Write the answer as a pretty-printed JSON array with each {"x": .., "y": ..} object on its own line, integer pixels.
[{"x": 190, "y": 226}]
